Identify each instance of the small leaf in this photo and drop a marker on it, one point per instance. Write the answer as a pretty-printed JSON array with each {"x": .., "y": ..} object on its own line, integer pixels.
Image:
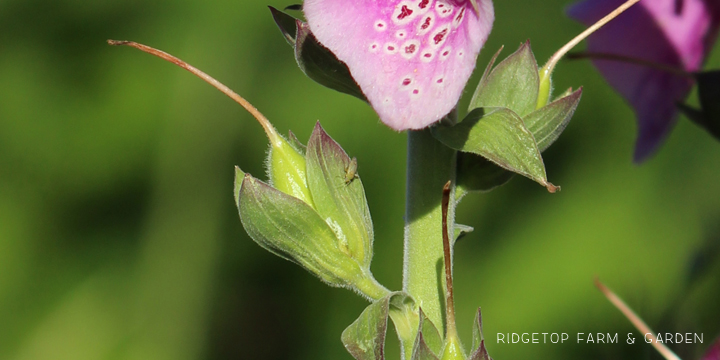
[
  {"x": 547, "y": 123},
  {"x": 341, "y": 203},
  {"x": 288, "y": 227},
  {"x": 513, "y": 84},
  {"x": 498, "y": 134},
  {"x": 476, "y": 173},
  {"x": 286, "y": 23},
  {"x": 364, "y": 339},
  {"x": 321, "y": 65}
]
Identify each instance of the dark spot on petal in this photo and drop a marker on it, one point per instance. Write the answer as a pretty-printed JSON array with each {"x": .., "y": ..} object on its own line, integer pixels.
[
  {"x": 440, "y": 36},
  {"x": 416, "y": 91},
  {"x": 446, "y": 53},
  {"x": 427, "y": 55},
  {"x": 410, "y": 49},
  {"x": 426, "y": 24},
  {"x": 423, "y": 4},
  {"x": 406, "y": 82},
  {"x": 391, "y": 48},
  {"x": 460, "y": 15},
  {"x": 439, "y": 81},
  {"x": 404, "y": 12}
]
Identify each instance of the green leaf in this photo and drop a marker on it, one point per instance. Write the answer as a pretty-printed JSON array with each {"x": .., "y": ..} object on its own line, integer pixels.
[
  {"x": 475, "y": 173},
  {"x": 478, "y": 343},
  {"x": 512, "y": 84},
  {"x": 499, "y": 135},
  {"x": 291, "y": 229},
  {"x": 338, "y": 199},
  {"x": 547, "y": 123}
]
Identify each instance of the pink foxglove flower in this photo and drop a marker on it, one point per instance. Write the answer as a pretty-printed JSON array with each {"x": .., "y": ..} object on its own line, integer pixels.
[
  {"x": 673, "y": 33},
  {"x": 411, "y": 58}
]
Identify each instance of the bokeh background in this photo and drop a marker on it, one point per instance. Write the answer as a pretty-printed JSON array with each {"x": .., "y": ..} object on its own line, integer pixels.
[{"x": 119, "y": 238}]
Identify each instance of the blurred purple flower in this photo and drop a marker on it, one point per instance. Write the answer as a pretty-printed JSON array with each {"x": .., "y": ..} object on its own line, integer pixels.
[
  {"x": 411, "y": 58},
  {"x": 713, "y": 352},
  {"x": 672, "y": 33}
]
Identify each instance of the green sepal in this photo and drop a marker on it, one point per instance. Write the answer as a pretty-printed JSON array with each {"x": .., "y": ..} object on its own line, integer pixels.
[
  {"x": 547, "y": 123},
  {"x": 512, "y": 84},
  {"x": 478, "y": 341},
  {"x": 499, "y": 135},
  {"x": 421, "y": 351},
  {"x": 297, "y": 144},
  {"x": 290, "y": 228},
  {"x": 239, "y": 177},
  {"x": 315, "y": 60},
  {"x": 286, "y": 23},
  {"x": 428, "y": 342},
  {"x": 365, "y": 337},
  {"x": 341, "y": 202}
]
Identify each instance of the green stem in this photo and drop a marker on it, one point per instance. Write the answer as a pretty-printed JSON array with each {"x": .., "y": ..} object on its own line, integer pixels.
[
  {"x": 370, "y": 288},
  {"x": 430, "y": 165}
]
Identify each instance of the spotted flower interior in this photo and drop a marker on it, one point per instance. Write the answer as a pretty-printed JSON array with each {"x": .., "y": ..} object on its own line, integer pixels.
[{"x": 411, "y": 58}]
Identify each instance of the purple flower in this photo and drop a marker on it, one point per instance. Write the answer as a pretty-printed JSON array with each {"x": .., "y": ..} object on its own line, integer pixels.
[
  {"x": 676, "y": 34},
  {"x": 411, "y": 58},
  {"x": 713, "y": 352}
]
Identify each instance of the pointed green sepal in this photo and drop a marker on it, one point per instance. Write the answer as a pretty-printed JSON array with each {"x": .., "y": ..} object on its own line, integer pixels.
[
  {"x": 339, "y": 200},
  {"x": 428, "y": 342},
  {"x": 291, "y": 229},
  {"x": 547, "y": 123},
  {"x": 512, "y": 84},
  {"x": 499, "y": 135},
  {"x": 478, "y": 340}
]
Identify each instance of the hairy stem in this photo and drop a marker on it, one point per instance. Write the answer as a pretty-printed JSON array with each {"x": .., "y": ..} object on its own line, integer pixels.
[{"x": 430, "y": 166}]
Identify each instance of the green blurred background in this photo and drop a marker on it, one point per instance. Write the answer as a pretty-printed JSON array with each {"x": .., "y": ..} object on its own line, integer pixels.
[{"x": 119, "y": 238}]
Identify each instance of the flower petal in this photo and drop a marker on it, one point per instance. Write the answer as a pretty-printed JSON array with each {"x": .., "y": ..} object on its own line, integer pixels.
[
  {"x": 675, "y": 33},
  {"x": 411, "y": 58}
]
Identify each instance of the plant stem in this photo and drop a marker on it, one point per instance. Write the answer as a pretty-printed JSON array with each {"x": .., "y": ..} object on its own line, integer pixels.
[
  {"x": 430, "y": 165},
  {"x": 272, "y": 134}
]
